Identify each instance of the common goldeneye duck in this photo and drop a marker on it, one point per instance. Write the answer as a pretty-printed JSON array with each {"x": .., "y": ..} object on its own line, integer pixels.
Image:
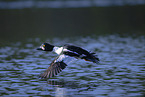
[{"x": 67, "y": 50}]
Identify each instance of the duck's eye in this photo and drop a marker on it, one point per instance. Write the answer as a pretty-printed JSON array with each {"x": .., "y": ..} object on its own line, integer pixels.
[{"x": 43, "y": 45}]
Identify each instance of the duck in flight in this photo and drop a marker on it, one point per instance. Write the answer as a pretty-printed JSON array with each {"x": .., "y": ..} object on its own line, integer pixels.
[{"x": 58, "y": 64}]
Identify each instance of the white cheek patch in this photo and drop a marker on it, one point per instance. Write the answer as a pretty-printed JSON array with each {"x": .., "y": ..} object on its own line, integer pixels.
[{"x": 42, "y": 47}]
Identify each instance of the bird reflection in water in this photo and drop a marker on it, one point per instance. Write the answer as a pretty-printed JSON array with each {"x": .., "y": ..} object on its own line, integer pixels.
[{"x": 60, "y": 92}]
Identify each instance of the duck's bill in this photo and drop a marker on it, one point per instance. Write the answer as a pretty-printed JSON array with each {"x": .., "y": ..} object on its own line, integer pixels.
[{"x": 39, "y": 48}]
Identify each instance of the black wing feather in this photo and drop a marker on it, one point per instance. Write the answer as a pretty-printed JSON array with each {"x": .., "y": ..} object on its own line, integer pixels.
[
  {"x": 53, "y": 69},
  {"x": 79, "y": 52}
]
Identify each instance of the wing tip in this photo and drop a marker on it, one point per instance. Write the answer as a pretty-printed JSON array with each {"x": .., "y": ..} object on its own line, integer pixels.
[{"x": 53, "y": 70}]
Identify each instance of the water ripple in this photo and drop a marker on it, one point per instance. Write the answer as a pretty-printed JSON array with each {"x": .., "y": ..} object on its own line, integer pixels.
[{"x": 120, "y": 72}]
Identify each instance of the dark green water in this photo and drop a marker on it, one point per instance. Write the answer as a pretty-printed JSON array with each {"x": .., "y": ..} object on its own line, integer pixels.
[{"x": 121, "y": 71}]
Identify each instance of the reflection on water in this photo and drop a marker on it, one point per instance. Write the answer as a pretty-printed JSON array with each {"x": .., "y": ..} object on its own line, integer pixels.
[{"x": 120, "y": 73}]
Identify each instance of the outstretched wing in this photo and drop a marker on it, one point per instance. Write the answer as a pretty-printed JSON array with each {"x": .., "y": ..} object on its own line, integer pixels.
[
  {"x": 53, "y": 69},
  {"x": 78, "y": 52},
  {"x": 57, "y": 65}
]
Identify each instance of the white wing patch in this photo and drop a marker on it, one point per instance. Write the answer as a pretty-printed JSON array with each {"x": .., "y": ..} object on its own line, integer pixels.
[
  {"x": 62, "y": 57},
  {"x": 66, "y": 59}
]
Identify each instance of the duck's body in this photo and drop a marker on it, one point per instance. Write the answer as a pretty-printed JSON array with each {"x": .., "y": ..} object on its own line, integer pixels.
[{"x": 64, "y": 51}]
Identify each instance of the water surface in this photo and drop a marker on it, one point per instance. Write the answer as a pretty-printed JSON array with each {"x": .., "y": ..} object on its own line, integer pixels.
[{"x": 120, "y": 72}]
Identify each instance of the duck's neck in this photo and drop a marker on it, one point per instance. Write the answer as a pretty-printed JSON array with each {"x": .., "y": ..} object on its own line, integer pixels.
[{"x": 58, "y": 50}]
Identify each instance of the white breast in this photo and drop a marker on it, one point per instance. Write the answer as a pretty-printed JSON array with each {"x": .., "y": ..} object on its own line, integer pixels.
[{"x": 58, "y": 50}]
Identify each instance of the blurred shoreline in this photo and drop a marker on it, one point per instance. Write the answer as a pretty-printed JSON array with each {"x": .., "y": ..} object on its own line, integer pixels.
[
  {"x": 19, "y": 24},
  {"x": 21, "y": 4}
]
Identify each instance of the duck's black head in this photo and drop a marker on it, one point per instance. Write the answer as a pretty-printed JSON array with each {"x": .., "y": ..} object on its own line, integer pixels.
[{"x": 46, "y": 47}]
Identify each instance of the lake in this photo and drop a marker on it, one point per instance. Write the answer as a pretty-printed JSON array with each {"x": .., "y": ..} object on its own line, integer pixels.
[{"x": 121, "y": 71}]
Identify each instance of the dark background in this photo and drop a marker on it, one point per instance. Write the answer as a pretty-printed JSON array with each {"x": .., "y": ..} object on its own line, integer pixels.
[{"x": 19, "y": 24}]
